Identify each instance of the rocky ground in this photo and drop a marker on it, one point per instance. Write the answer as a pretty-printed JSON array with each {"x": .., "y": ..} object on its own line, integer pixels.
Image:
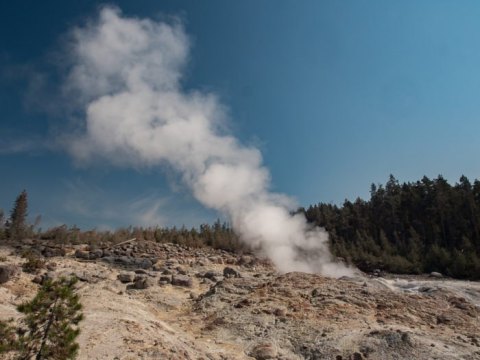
[{"x": 144, "y": 300}]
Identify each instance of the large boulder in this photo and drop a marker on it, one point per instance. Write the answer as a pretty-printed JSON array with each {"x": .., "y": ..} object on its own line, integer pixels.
[
  {"x": 125, "y": 261},
  {"x": 246, "y": 260},
  {"x": 142, "y": 282},
  {"x": 229, "y": 272},
  {"x": 213, "y": 275},
  {"x": 264, "y": 351},
  {"x": 171, "y": 263},
  {"x": 96, "y": 254},
  {"x": 7, "y": 272},
  {"x": 181, "y": 270},
  {"x": 126, "y": 277},
  {"x": 182, "y": 280},
  {"x": 165, "y": 279},
  {"x": 38, "y": 279},
  {"x": 144, "y": 263},
  {"x": 80, "y": 254},
  {"x": 53, "y": 252}
]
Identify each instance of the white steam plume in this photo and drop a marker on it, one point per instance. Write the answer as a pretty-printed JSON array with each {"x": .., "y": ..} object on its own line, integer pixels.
[{"x": 126, "y": 74}]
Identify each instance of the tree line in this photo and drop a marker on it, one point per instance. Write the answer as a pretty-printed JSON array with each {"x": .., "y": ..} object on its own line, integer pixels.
[
  {"x": 414, "y": 227},
  {"x": 218, "y": 235}
]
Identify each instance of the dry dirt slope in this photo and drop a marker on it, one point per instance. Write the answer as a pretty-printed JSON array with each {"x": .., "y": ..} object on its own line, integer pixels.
[{"x": 253, "y": 312}]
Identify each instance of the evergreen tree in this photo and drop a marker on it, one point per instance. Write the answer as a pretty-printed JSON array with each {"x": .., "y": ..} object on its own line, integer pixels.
[
  {"x": 17, "y": 226},
  {"x": 424, "y": 226},
  {"x": 2, "y": 225},
  {"x": 51, "y": 322}
]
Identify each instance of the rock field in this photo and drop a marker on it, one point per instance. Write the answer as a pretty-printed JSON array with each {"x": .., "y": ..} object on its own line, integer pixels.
[{"x": 144, "y": 300}]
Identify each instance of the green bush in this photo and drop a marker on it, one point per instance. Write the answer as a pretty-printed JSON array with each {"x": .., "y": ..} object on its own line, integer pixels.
[
  {"x": 33, "y": 264},
  {"x": 7, "y": 337}
]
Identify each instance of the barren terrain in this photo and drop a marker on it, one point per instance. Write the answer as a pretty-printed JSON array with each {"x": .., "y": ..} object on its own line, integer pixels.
[{"x": 145, "y": 300}]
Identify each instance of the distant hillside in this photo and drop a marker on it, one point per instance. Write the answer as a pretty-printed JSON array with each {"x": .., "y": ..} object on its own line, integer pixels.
[{"x": 424, "y": 226}]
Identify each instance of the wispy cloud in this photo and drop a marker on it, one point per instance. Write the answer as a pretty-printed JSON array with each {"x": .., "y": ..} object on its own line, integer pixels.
[
  {"x": 89, "y": 201},
  {"x": 148, "y": 210},
  {"x": 16, "y": 145},
  {"x": 38, "y": 96}
]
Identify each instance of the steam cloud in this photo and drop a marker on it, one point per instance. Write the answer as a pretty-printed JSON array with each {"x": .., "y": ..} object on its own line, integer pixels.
[{"x": 125, "y": 73}]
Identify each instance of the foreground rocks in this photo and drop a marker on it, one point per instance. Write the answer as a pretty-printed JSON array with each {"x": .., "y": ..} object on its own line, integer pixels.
[
  {"x": 163, "y": 301},
  {"x": 7, "y": 272}
]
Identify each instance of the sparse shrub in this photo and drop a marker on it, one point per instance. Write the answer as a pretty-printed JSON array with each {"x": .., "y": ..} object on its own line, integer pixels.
[
  {"x": 33, "y": 264},
  {"x": 8, "y": 340}
]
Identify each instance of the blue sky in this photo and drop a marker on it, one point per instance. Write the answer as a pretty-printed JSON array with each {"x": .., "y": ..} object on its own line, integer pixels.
[{"x": 336, "y": 95}]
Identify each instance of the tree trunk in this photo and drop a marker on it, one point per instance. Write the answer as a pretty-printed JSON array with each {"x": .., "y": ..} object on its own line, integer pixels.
[{"x": 47, "y": 329}]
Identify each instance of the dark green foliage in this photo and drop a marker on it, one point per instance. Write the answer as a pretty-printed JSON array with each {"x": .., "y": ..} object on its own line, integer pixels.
[
  {"x": 33, "y": 264},
  {"x": 49, "y": 327},
  {"x": 51, "y": 320},
  {"x": 7, "y": 337},
  {"x": 17, "y": 226},
  {"x": 417, "y": 227},
  {"x": 2, "y": 225}
]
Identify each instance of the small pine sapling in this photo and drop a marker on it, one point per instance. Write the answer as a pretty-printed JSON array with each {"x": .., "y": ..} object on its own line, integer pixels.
[{"x": 51, "y": 322}]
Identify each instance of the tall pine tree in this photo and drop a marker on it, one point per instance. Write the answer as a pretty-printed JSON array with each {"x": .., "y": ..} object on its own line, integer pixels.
[{"x": 17, "y": 226}]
